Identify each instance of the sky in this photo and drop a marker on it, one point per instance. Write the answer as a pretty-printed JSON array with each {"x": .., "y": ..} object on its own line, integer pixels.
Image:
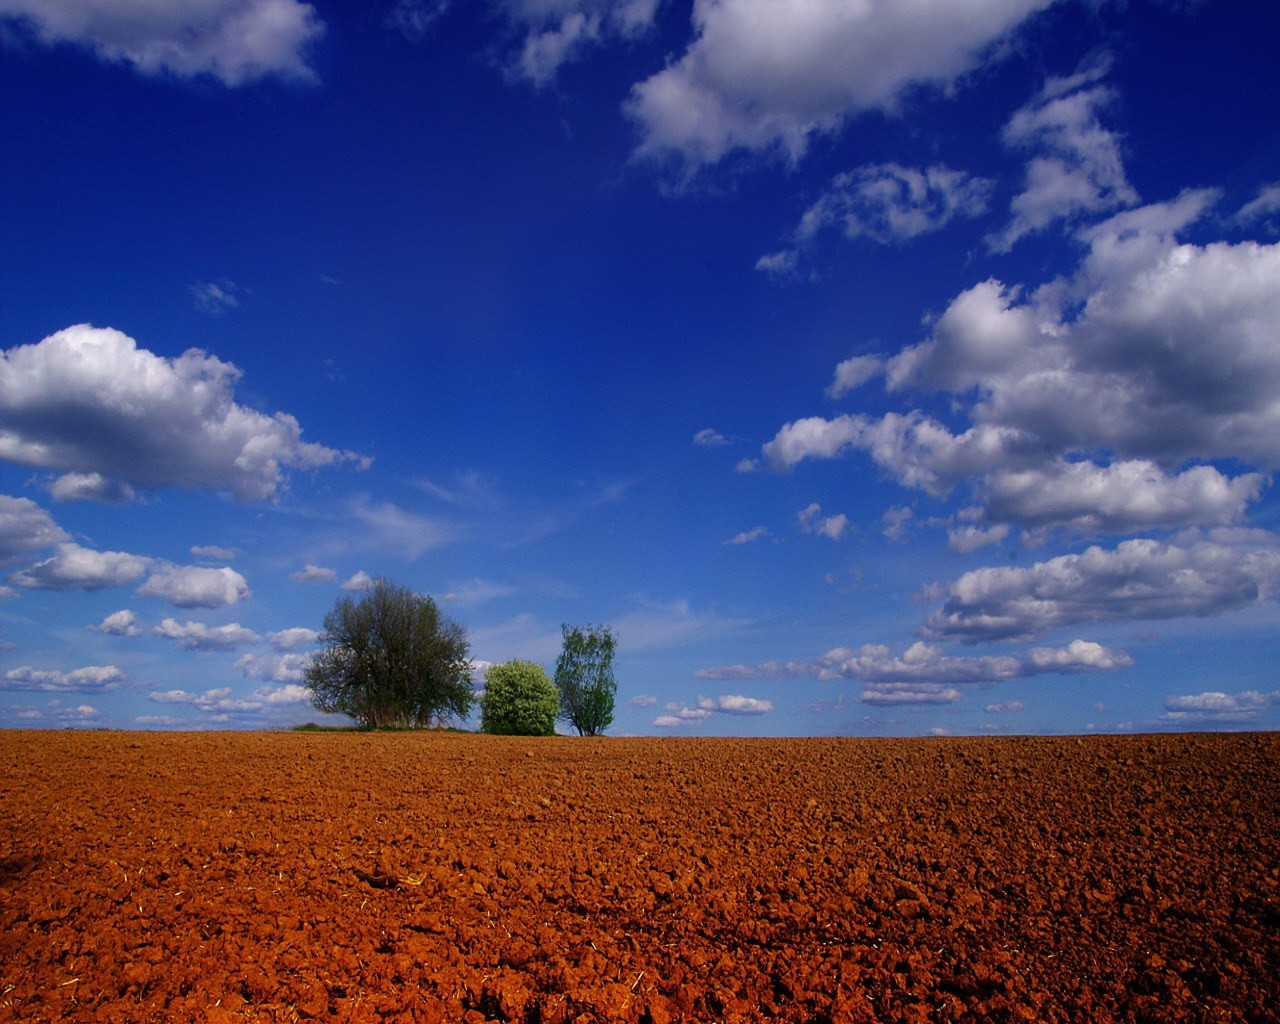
[{"x": 871, "y": 367}]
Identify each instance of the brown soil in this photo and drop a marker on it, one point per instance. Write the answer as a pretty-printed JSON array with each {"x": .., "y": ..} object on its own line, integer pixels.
[{"x": 279, "y": 877}]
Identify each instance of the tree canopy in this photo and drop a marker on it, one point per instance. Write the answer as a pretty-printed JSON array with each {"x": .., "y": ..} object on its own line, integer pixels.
[
  {"x": 519, "y": 699},
  {"x": 584, "y": 677},
  {"x": 390, "y": 658}
]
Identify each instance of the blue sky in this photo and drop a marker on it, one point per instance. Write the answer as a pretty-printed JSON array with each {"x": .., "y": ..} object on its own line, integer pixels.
[{"x": 873, "y": 368}]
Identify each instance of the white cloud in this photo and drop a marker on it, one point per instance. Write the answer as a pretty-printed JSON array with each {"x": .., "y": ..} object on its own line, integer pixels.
[
  {"x": 681, "y": 714},
  {"x": 1137, "y": 580},
  {"x": 769, "y": 75},
  {"x": 214, "y": 297},
  {"x": 1133, "y": 494},
  {"x": 87, "y": 400},
  {"x": 709, "y": 438},
  {"x": 233, "y": 41},
  {"x": 90, "y": 679},
  {"x": 294, "y": 638},
  {"x": 746, "y": 536},
  {"x": 813, "y": 521},
  {"x": 221, "y": 704},
  {"x": 314, "y": 574},
  {"x": 1264, "y": 205},
  {"x": 964, "y": 540},
  {"x": 1216, "y": 707},
  {"x": 557, "y": 32},
  {"x": 79, "y": 713},
  {"x": 642, "y": 700},
  {"x": 121, "y": 623},
  {"x": 75, "y": 568},
  {"x": 896, "y": 694},
  {"x": 853, "y": 373},
  {"x": 90, "y": 487},
  {"x": 1079, "y": 169},
  {"x": 735, "y": 704},
  {"x": 197, "y": 636},
  {"x": 212, "y": 551},
  {"x": 897, "y": 521},
  {"x": 191, "y": 586},
  {"x": 1096, "y": 401},
  {"x": 886, "y": 203},
  {"x": 276, "y": 668},
  {"x": 1005, "y": 707},
  {"x": 925, "y": 668},
  {"x": 360, "y": 581},
  {"x": 26, "y": 527}
]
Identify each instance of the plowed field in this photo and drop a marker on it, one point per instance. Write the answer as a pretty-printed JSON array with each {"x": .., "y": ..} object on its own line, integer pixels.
[{"x": 358, "y": 877}]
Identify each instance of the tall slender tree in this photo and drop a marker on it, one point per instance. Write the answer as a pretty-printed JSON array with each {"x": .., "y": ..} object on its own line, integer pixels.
[{"x": 584, "y": 677}]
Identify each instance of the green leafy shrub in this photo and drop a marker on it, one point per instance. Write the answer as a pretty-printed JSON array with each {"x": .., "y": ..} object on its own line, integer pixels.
[{"x": 519, "y": 699}]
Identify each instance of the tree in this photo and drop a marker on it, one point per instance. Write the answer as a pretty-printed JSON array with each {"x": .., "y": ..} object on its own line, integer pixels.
[
  {"x": 519, "y": 699},
  {"x": 584, "y": 677},
  {"x": 391, "y": 658}
]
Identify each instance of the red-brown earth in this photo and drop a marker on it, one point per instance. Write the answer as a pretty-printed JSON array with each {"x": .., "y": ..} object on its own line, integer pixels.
[{"x": 359, "y": 877}]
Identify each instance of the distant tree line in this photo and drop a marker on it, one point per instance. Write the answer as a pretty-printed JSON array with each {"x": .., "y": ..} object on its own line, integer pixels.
[{"x": 391, "y": 659}]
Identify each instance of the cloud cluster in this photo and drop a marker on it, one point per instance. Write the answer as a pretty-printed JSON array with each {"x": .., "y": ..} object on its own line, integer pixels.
[
  {"x": 90, "y": 679},
  {"x": 769, "y": 76},
  {"x": 1099, "y": 402},
  {"x": 557, "y": 32},
  {"x": 233, "y": 41},
  {"x": 121, "y": 623},
  {"x": 812, "y": 520},
  {"x": 221, "y": 705},
  {"x": 1078, "y": 169},
  {"x": 1218, "y": 708},
  {"x": 885, "y": 203},
  {"x": 730, "y": 704},
  {"x": 924, "y": 673},
  {"x": 25, "y": 528},
  {"x": 196, "y": 636},
  {"x": 1135, "y": 581},
  {"x": 89, "y": 403},
  {"x": 193, "y": 586}
]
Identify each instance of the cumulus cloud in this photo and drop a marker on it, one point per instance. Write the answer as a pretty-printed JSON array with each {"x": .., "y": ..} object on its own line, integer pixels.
[
  {"x": 121, "y": 623},
  {"x": 87, "y": 400},
  {"x": 557, "y": 32},
  {"x": 212, "y": 551},
  {"x": 26, "y": 527},
  {"x": 359, "y": 581},
  {"x": 884, "y": 203},
  {"x": 1098, "y": 402},
  {"x": 75, "y": 568},
  {"x": 642, "y": 700},
  {"x": 735, "y": 704},
  {"x": 1078, "y": 168},
  {"x": 222, "y": 704},
  {"x": 813, "y": 521},
  {"x": 924, "y": 672},
  {"x": 294, "y": 638},
  {"x": 289, "y": 668},
  {"x": 853, "y": 373},
  {"x": 197, "y": 636},
  {"x": 709, "y": 438},
  {"x": 747, "y": 536},
  {"x": 90, "y": 679},
  {"x": 1005, "y": 707},
  {"x": 232, "y": 41},
  {"x": 1137, "y": 580},
  {"x": 415, "y": 18},
  {"x": 768, "y": 76},
  {"x": 964, "y": 540},
  {"x": 191, "y": 586},
  {"x": 677, "y": 714},
  {"x": 314, "y": 574},
  {"x": 90, "y": 487},
  {"x": 1216, "y": 707}
]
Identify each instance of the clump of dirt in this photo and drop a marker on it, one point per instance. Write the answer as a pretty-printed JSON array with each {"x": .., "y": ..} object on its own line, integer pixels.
[{"x": 364, "y": 878}]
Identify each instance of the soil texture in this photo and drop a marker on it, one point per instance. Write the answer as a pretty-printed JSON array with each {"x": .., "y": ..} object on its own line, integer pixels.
[{"x": 382, "y": 877}]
